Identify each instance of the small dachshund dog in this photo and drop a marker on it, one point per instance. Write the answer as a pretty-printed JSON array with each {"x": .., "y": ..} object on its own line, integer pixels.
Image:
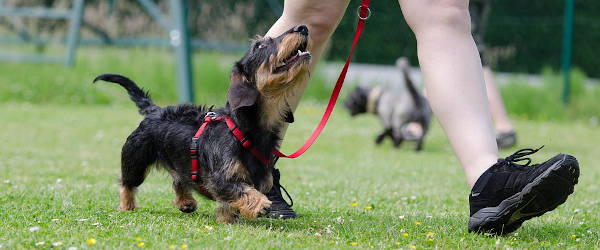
[
  {"x": 397, "y": 110},
  {"x": 228, "y": 172}
]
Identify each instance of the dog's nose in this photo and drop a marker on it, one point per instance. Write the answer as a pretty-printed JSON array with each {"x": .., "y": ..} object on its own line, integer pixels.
[{"x": 302, "y": 29}]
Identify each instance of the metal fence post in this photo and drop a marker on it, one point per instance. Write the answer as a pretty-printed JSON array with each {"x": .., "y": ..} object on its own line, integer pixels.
[
  {"x": 567, "y": 46},
  {"x": 181, "y": 43},
  {"x": 73, "y": 36}
]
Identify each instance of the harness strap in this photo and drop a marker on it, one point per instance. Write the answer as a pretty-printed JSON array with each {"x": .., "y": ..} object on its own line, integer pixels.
[
  {"x": 235, "y": 130},
  {"x": 245, "y": 142},
  {"x": 194, "y": 145},
  {"x": 363, "y": 13}
]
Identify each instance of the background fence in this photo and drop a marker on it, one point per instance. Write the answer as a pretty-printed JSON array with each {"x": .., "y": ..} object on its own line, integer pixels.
[{"x": 522, "y": 36}]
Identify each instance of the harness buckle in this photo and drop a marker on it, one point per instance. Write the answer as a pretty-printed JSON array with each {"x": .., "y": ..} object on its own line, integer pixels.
[
  {"x": 194, "y": 144},
  {"x": 211, "y": 114}
]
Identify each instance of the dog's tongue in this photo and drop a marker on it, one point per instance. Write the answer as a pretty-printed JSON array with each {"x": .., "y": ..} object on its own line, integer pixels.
[{"x": 294, "y": 57}]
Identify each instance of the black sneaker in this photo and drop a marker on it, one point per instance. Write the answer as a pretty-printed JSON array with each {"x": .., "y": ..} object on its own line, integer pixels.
[
  {"x": 507, "y": 194},
  {"x": 280, "y": 209},
  {"x": 506, "y": 139}
]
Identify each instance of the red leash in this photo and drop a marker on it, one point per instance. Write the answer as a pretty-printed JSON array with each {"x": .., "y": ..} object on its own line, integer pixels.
[{"x": 363, "y": 13}]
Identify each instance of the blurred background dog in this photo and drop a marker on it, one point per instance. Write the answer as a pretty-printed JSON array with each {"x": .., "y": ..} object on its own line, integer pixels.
[{"x": 404, "y": 113}]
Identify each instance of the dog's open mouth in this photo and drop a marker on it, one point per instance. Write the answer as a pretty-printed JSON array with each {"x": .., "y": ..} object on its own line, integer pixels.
[{"x": 297, "y": 55}]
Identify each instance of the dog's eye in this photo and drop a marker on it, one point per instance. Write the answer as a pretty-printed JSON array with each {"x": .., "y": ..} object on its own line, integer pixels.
[{"x": 260, "y": 46}]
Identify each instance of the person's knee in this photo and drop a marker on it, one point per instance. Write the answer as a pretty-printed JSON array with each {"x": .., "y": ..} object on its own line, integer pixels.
[
  {"x": 321, "y": 17},
  {"x": 442, "y": 15},
  {"x": 321, "y": 27}
]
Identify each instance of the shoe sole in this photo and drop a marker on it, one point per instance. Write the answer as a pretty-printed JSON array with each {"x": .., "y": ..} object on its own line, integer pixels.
[
  {"x": 283, "y": 215},
  {"x": 559, "y": 179}
]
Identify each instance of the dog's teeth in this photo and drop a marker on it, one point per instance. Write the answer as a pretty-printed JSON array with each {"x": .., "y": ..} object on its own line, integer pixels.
[{"x": 300, "y": 53}]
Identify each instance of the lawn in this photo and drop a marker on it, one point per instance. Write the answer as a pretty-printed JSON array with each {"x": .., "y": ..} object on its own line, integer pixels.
[{"x": 59, "y": 165}]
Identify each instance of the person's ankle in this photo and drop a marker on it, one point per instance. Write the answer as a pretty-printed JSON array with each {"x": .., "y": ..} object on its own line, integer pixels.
[{"x": 475, "y": 171}]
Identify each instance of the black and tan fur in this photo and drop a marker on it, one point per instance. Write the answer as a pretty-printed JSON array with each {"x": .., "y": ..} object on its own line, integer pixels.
[{"x": 261, "y": 82}]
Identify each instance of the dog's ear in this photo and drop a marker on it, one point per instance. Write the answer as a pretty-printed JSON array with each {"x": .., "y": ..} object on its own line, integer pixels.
[{"x": 241, "y": 93}]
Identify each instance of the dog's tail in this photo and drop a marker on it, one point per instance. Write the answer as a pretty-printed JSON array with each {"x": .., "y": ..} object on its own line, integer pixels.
[
  {"x": 404, "y": 66},
  {"x": 137, "y": 95}
]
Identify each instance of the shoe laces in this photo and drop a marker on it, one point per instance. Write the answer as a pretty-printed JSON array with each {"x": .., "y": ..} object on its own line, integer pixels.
[
  {"x": 278, "y": 186},
  {"x": 519, "y": 156}
]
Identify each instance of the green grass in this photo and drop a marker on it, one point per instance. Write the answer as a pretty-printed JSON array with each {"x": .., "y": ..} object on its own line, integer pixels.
[
  {"x": 59, "y": 166},
  {"x": 151, "y": 68}
]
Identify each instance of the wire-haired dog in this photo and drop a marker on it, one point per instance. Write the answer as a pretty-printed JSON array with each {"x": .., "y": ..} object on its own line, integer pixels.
[
  {"x": 229, "y": 173},
  {"x": 395, "y": 109}
]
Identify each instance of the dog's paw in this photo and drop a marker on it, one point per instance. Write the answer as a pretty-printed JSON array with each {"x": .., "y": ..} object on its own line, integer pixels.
[
  {"x": 126, "y": 207},
  {"x": 262, "y": 206},
  {"x": 186, "y": 205},
  {"x": 265, "y": 209},
  {"x": 188, "y": 208},
  {"x": 252, "y": 204}
]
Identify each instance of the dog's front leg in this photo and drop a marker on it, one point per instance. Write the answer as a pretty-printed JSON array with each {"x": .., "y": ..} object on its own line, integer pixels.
[
  {"x": 398, "y": 139},
  {"x": 249, "y": 203},
  {"x": 380, "y": 137},
  {"x": 226, "y": 213},
  {"x": 184, "y": 200},
  {"x": 232, "y": 189}
]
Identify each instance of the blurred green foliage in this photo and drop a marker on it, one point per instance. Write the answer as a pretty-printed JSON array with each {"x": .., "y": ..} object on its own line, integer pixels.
[{"x": 543, "y": 102}]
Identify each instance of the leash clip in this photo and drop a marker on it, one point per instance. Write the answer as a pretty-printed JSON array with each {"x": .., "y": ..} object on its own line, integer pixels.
[
  {"x": 210, "y": 116},
  {"x": 359, "y": 10}
]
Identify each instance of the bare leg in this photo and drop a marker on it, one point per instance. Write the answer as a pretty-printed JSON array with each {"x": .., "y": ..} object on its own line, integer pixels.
[
  {"x": 454, "y": 79},
  {"x": 321, "y": 17},
  {"x": 501, "y": 120}
]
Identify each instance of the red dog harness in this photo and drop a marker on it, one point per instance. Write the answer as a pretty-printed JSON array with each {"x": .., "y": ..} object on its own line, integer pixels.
[{"x": 239, "y": 135}]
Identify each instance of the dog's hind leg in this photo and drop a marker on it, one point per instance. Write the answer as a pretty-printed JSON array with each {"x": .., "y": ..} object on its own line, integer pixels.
[
  {"x": 136, "y": 157},
  {"x": 425, "y": 126},
  {"x": 420, "y": 143}
]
